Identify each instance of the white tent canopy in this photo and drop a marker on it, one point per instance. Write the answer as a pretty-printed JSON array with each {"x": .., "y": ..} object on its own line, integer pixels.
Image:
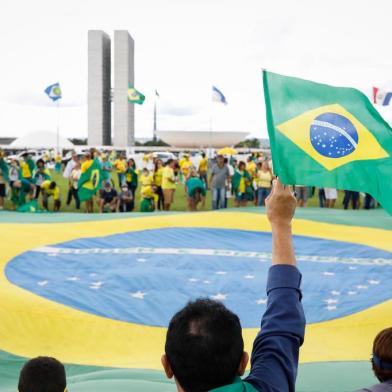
[{"x": 41, "y": 139}]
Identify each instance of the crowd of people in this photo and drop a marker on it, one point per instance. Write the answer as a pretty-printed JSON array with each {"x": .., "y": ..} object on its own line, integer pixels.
[
  {"x": 204, "y": 347},
  {"x": 245, "y": 181}
]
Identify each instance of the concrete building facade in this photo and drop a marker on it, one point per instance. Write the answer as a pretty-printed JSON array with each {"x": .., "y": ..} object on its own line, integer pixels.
[
  {"x": 99, "y": 88},
  {"x": 124, "y": 113}
]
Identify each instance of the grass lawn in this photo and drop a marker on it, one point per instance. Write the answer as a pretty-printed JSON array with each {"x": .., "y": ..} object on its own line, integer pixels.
[{"x": 179, "y": 204}]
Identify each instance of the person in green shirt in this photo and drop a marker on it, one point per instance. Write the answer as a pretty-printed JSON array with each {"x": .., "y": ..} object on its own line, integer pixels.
[
  {"x": 195, "y": 190},
  {"x": 241, "y": 183}
]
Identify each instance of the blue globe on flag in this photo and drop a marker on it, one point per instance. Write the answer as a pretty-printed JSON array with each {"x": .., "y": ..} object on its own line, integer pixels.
[{"x": 333, "y": 135}]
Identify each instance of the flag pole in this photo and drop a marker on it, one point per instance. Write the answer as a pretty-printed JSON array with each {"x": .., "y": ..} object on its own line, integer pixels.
[
  {"x": 58, "y": 127},
  {"x": 210, "y": 127},
  {"x": 155, "y": 117}
]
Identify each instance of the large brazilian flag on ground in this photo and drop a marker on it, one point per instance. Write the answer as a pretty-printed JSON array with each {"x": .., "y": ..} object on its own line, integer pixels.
[
  {"x": 90, "y": 180},
  {"x": 328, "y": 136}
]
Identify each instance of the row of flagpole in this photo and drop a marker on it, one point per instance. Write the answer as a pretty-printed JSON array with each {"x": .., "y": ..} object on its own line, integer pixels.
[{"x": 135, "y": 97}]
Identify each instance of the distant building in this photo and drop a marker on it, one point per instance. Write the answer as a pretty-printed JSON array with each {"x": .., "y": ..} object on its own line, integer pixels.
[
  {"x": 99, "y": 102},
  {"x": 201, "y": 139},
  {"x": 100, "y": 94}
]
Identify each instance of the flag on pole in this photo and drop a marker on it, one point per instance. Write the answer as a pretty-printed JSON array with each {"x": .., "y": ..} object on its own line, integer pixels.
[
  {"x": 90, "y": 180},
  {"x": 382, "y": 97},
  {"x": 328, "y": 136},
  {"x": 135, "y": 96},
  {"x": 156, "y": 93},
  {"x": 54, "y": 92},
  {"x": 217, "y": 96}
]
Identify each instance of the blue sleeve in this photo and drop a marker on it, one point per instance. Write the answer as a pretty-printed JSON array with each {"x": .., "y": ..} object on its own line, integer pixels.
[{"x": 275, "y": 351}]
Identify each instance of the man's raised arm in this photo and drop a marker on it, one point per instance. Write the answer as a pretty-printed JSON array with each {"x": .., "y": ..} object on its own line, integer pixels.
[{"x": 275, "y": 352}]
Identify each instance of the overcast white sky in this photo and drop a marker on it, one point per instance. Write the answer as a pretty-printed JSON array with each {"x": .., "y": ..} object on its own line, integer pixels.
[{"x": 182, "y": 48}]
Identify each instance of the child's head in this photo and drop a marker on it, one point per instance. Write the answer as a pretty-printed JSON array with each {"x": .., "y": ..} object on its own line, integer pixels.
[
  {"x": 145, "y": 172},
  {"x": 42, "y": 374},
  {"x": 204, "y": 346}
]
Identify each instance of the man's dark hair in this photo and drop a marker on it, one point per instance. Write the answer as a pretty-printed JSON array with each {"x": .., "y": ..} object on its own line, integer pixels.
[
  {"x": 204, "y": 345},
  {"x": 42, "y": 374},
  {"x": 382, "y": 348},
  {"x": 52, "y": 185}
]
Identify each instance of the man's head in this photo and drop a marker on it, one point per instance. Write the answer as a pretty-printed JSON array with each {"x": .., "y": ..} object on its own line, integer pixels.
[
  {"x": 40, "y": 163},
  {"x": 382, "y": 355},
  {"x": 171, "y": 163},
  {"x": 52, "y": 185},
  {"x": 220, "y": 160},
  {"x": 107, "y": 185},
  {"x": 203, "y": 154},
  {"x": 42, "y": 374},
  {"x": 204, "y": 346}
]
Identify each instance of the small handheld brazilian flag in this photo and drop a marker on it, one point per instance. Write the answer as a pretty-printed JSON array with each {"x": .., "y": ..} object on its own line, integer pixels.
[
  {"x": 328, "y": 136},
  {"x": 90, "y": 180},
  {"x": 135, "y": 96}
]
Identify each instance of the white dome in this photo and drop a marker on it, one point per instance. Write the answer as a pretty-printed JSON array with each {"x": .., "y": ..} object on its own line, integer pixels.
[
  {"x": 41, "y": 139},
  {"x": 197, "y": 139}
]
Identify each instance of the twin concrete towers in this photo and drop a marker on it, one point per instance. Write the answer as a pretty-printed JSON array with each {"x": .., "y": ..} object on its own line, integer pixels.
[{"x": 100, "y": 93}]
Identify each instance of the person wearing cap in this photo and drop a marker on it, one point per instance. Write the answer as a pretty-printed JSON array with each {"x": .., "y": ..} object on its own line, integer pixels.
[
  {"x": 108, "y": 197},
  {"x": 50, "y": 189},
  {"x": 382, "y": 362}
]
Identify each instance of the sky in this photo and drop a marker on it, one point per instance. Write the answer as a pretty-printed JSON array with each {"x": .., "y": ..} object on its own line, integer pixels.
[{"x": 182, "y": 48}]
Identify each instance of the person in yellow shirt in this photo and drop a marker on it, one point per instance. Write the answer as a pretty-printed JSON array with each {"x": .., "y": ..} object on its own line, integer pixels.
[
  {"x": 87, "y": 161},
  {"x": 263, "y": 181},
  {"x": 149, "y": 199},
  {"x": 120, "y": 165},
  {"x": 158, "y": 173},
  {"x": 146, "y": 180},
  {"x": 48, "y": 189},
  {"x": 203, "y": 169},
  {"x": 27, "y": 166},
  {"x": 185, "y": 166},
  {"x": 168, "y": 184},
  {"x": 58, "y": 163},
  {"x": 251, "y": 167}
]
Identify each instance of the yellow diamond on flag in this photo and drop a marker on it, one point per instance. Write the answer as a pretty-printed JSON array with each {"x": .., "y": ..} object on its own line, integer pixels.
[{"x": 332, "y": 136}]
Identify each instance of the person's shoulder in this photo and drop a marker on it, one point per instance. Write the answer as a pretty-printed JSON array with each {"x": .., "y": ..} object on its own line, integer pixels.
[{"x": 382, "y": 387}]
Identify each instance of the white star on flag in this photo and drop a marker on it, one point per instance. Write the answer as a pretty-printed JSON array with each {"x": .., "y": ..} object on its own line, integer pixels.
[
  {"x": 249, "y": 276},
  {"x": 371, "y": 281},
  {"x": 73, "y": 278},
  {"x": 193, "y": 280},
  {"x": 352, "y": 268},
  {"x": 141, "y": 260},
  {"x": 96, "y": 285},
  {"x": 328, "y": 273},
  {"x": 219, "y": 297},
  {"x": 331, "y": 307},
  {"x": 138, "y": 295},
  {"x": 261, "y": 301},
  {"x": 361, "y": 287},
  {"x": 42, "y": 283},
  {"x": 352, "y": 293},
  {"x": 331, "y": 301},
  {"x": 221, "y": 273},
  {"x": 333, "y": 292},
  {"x": 206, "y": 281}
]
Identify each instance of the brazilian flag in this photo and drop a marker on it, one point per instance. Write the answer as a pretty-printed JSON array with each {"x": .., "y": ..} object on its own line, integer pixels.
[
  {"x": 90, "y": 181},
  {"x": 328, "y": 136},
  {"x": 135, "y": 96}
]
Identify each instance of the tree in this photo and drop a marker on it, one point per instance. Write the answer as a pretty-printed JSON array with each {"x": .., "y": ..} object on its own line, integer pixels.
[{"x": 249, "y": 143}]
